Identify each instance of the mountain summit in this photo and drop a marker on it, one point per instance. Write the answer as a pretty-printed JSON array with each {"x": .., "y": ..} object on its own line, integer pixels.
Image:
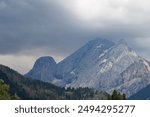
[
  {"x": 103, "y": 65},
  {"x": 43, "y": 69}
]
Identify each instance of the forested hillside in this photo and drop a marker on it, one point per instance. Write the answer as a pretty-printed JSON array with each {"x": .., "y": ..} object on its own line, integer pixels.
[{"x": 27, "y": 88}]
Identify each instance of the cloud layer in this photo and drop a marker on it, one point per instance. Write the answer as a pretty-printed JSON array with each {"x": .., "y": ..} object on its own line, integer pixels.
[{"x": 32, "y": 28}]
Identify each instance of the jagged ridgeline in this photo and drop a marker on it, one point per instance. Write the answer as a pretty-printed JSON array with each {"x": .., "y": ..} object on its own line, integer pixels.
[
  {"x": 100, "y": 64},
  {"x": 16, "y": 86},
  {"x": 98, "y": 67}
]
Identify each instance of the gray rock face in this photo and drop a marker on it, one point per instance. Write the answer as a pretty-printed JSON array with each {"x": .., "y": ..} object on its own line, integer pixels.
[
  {"x": 135, "y": 77},
  {"x": 100, "y": 64},
  {"x": 104, "y": 65},
  {"x": 77, "y": 65},
  {"x": 43, "y": 69}
]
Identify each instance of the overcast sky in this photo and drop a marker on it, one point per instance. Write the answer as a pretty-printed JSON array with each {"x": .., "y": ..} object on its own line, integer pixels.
[{"x": 33, "y": 28}]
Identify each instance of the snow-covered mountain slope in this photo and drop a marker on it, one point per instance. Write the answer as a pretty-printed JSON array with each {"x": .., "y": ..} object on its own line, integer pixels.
[
  {"x": 43, "y": 69},
  {"x": 104, "y": 65}
]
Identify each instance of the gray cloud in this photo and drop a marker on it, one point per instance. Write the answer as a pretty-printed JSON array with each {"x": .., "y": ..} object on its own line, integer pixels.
[
  {"x": 59, "y": 27},
  {"x": 25, "y": 25}
]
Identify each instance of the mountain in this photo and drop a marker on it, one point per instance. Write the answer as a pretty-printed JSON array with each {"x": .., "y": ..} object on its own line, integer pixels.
[
  {"x": 78, "y": 66},
  {"x": 100, "y": 64},
  {"x": 43, "y": 69},
  {"x": 26, "y": 88},
  {"x": 142, "y": 94},
  {"x": 103, "y": 65}
]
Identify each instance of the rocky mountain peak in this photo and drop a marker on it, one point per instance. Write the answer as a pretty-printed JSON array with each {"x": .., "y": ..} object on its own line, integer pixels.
[
  {"x": 44, "y": 61},
  {"x": 43, "y": 69},
  {"x": 122, "y": 41}
]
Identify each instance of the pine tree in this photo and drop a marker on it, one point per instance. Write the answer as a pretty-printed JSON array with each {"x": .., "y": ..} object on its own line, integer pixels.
[
  {"x": 117, "y": 96},
  {"x": 124, "y": 97},
  {"x": 15, "y": 97},
  {"x": 4, "y": 91},
  {"x": 114, "y": 95}
]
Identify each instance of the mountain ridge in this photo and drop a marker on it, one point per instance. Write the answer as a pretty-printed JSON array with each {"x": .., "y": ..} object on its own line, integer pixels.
[{"x": 104, "y": 65}]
